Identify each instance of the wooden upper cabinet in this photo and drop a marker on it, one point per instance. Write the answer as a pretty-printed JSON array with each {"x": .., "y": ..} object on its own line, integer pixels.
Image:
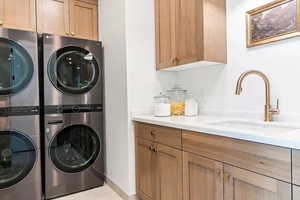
[
  {"x": 73, "y": 18},
  {"x": 165, "y": 32},
  {"x": 189, "y": 31},
  {"x": 240, "y": 184},
  {"x": 202, "y": 178},
  {"x": 54, "y": 17},
  {"x": 84, "y": 20},
  {"x": 18, "y": 14},
  {"x": 168, "y": 170},
  {"x": 145, "y": 163}
]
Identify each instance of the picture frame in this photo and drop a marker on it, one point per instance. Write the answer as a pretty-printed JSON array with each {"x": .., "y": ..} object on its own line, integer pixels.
[{"x": 275, "y": 21}]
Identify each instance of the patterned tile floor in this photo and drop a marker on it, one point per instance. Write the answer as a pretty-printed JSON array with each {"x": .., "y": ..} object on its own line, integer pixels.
[{"x": 101, "y": 193}]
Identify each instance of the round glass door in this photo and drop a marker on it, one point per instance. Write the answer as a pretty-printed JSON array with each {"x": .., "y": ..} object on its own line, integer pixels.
[
  {"x": 73, "y": 70},
  {"x": 16, "y": 67},
  {"x": 17, "y": 158},
  {"x": 75, "y": 148}
]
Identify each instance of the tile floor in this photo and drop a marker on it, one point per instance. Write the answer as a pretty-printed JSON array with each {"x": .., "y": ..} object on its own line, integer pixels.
[{"x": 101, "y": 193}]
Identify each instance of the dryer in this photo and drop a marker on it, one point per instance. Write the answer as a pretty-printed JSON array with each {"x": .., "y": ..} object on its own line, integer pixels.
[
  {"x": 73, "y": 72},
  {"x": 20, "y": 164},
  {"x": 74, "y": 144},
  {"x": 19, "y": 84}
]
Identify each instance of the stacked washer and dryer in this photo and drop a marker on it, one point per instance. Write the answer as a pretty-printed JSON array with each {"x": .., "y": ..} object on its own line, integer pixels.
[
  {"x": 53, "y": 125},
  {"x": 73, "y": 107},
  {"x": 20, "y": 163}
]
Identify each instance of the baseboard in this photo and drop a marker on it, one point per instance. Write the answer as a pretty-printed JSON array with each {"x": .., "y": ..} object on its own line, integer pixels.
[{"x": 119, "y": 191}]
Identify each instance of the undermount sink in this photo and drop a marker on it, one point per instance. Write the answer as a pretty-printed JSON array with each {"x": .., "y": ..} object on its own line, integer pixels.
[{"x": 248, "y": 126}]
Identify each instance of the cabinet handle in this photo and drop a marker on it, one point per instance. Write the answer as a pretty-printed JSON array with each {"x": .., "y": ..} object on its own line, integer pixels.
[
  {"x": 174, "y": 61},
  {"x": 151, "y": 148},
  {"x": 153, "y": 133},
  {"x": 72, "y": 33},
  {"x": 226, "y": 176},
  {"x": 1, "y": 23}
]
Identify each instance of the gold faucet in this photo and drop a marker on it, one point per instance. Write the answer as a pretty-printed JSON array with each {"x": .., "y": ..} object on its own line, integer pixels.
[{"x": 269, "y": 111}]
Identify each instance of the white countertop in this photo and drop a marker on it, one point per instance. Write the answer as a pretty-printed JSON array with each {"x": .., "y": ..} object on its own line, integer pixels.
[{"x": 206, "y": 124}]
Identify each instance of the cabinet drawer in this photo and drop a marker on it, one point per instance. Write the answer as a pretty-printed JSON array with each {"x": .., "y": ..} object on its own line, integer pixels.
[
  {"x": 296, "y": 166},
  {"x": 163, "y": 135},
  {"x": 264, "y": 159}
]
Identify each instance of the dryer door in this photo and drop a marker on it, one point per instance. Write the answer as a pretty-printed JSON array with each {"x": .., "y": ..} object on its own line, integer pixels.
[
  {"x": 16, "y": 67},
  {"x": 75, "y": 148},
  {"x": 73, "y": 70},
  {"x": 17, "y": 157}
]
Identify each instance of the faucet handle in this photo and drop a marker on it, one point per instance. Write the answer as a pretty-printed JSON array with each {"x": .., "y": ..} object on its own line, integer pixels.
[
  {"x": 277, "y": 104},
  {"x": 277, "y": 109}
]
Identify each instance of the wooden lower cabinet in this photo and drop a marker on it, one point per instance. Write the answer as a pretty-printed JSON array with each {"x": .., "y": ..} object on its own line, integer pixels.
[
  {"x": 145, "y": 163},
  {"x": 241, "y": 184},
  {"x": 296, "y": 192},
  {"x": 159, "y": 171},
  {"x": 168, "y": 169},
  {"x": 208, "y": 168},
  {"x": 202, "y": 178}
]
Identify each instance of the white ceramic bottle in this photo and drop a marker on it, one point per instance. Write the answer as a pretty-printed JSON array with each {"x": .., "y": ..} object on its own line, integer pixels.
[{"x": 162, "y": 106}]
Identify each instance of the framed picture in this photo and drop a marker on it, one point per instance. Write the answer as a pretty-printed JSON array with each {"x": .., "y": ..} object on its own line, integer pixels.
[{"x": 272, "y": 22}]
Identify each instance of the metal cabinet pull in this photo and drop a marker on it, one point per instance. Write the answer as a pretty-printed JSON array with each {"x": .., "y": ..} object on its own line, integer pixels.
[
  {"x": 226, "y": 176},
  {"x": 1, "y": 22},
  {"x": 153, "y": 133},
  {"x": 72, "y": 33}
]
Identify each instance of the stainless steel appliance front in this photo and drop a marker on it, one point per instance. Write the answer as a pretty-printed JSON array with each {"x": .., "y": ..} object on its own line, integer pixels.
[
  {"x": 73, "y": 72},
  {"x": 19, "y": 84},
  {"x": 73, "y": 152},
  {"x": 20, "y": 164}
]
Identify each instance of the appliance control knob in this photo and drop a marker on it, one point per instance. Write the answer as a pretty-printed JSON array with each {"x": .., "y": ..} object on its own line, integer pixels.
[
  {"x": 76, "y": 109},
  {"x": 47, "y": 130}
]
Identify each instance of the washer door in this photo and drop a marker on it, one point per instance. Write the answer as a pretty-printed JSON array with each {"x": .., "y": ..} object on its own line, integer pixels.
[
  {"x": 75, "y": 148},
  {"x": 17, "y": 157},
  {"x": 73, "y": 70},
  {"x": 16, "y": 67}
]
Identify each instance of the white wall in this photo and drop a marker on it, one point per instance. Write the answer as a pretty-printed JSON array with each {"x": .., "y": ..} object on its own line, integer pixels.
[
  {"x": 143, "y": 81},
  {"x": 112, "y": 33},
  {"x": 215, "y": 86},
  {"x": 127, "y": 32}
]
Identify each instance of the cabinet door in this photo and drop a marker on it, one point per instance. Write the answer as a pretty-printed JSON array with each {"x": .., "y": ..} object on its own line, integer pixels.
[
  {"x": 84, "y": 20},
  {"x": 202, "y": 178},
  {"x": 296, "y": 192},
  {"x": 54, "y": 18},
  {"x": 18, "y": 14},
  {"x": 165, "y": 12},
  {"x": 241, "y": 184},
  {"x": 145, "y": 169},
  {"x": 168, "y": 173},
  {"x": 190, "y": 31}
]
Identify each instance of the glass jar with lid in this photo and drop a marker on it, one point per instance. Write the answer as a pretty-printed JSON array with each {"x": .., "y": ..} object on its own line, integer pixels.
[
  {"x": 177, "y": 98},
  {"x": 162, "y": 106}
]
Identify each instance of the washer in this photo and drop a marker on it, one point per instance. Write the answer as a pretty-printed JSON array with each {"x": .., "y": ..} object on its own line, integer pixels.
[
  {"x": 74, "y": 143},
  {"x": 19, "y": 84},
  {"x": 20, "y": 164},
  {"x": 73, "y": 71}
]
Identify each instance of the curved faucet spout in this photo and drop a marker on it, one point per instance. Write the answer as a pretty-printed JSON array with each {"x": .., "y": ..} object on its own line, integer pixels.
[
  {"x": 258, "y": 73},
  {"x": 269, "y": 112}
]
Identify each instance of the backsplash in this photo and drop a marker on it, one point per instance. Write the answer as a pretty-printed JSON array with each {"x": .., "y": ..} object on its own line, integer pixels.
[{"x": 215, "y": 86}]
